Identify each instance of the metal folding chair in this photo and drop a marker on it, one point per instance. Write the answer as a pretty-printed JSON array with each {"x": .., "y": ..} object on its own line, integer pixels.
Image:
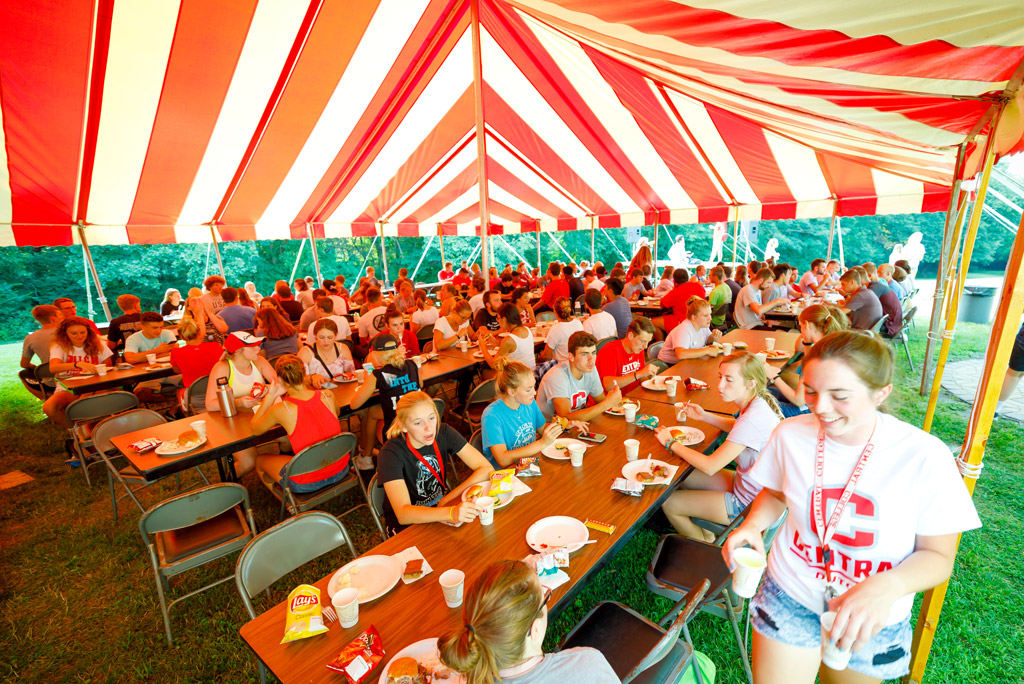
[{"x": 82, "y": 416}]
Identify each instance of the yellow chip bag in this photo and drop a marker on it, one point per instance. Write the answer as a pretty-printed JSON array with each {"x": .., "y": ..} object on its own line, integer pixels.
[
  {"x": 303, "y": 618},
  {"x": 501, "y": 481}
]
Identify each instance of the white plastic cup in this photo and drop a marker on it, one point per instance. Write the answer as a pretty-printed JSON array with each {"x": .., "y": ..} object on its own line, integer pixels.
[
  {"x": 670, "y": 387},
  {"x": 200, "y": 427},
  {"x": 629, "y": 410},
  {"x": 101, "y": 369},
  {"x": 750, "y": 566},
  {"x": 831, "y": 655},
  {"x": 346, "y": 605},
  {"x": 632, "y": 449},
  {"x": 769, "y": 343},
  {"x": 727, "y": 348},
  {"x": 151, "y": 359},
  {"x": 360, "y": 375},
  {"x": 451, "y": 582},
  {"x": 463, "y": 344},
  {"x": 762, "y": 357},
  {"x": 576, "y": 452},
  {"x": 486, "y": 506},
  {"x": 680, "y": 413}
]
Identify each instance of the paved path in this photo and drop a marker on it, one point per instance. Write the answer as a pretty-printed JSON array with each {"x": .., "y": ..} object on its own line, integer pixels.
[{"x": 961, "y": 379}]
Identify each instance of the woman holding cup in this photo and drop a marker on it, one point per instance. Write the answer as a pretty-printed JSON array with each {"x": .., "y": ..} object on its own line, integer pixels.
[
  {"x": 411, "y": 467},
  {"x": 875, "y": 507},
  {"x": 450, "y": 329},
  {"x": 711, "y": 492}
]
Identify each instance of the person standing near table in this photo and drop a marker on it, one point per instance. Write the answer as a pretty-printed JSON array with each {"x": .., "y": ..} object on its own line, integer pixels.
[
  {"x": 600, "y": 324},
  {"x": 677, "y": 300},
  {"x": 566, "y": 388},
  {"x": 214, "y": 285},
  {"x": 617, "y": 306},
  {"x": 720, "y": 296},
  {"x": 693, "y": 338},
  {"x": 237, "y": 317},
  {"x": 501, "y": 637},
  {"x": 622, "y": 363},
  {"x": 411, "y": 467},
  {"x": 511, "y": 425},
  {"x": 76, "y": 348},
  {"x": 875, "y": 509},
  {"x": 711, "y": 492},
  {"x": 751, "y": 305}
]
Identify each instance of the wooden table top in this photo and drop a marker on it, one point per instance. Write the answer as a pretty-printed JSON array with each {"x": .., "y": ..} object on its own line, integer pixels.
[
  {"x": 784, "y": 339},
  {"x": 117, "y": 378},
  {"x": 705, "y": 369},
  {"x": 415, "y": 611}
]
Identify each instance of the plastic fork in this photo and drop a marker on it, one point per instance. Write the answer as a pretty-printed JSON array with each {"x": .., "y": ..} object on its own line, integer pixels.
[{"x": 329, "y": 613}]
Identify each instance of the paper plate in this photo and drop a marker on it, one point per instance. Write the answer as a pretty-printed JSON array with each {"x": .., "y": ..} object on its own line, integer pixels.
[
  {"x": 555, "y": 532},
  {"x": 776, "y": 354},
  {"x": 631, "y": 469},
  {"x": 654, "y": 387},
  {"x": 504, "y": 499},
  {"x": 553, "y": 452},
  {"x": 171, "y": 448},
  {"x": 375, "y": 576},
  {"x": 619, "y": 411},
  {"x": 692, "y": 435},
  {"x": 425, "y": 653}
]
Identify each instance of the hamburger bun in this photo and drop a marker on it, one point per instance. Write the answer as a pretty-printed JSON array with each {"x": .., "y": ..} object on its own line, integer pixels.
[
  {"x": 404, "y": 671},
  {"x": 562, "y": 421},
  {"x": 188, "y": 438}
]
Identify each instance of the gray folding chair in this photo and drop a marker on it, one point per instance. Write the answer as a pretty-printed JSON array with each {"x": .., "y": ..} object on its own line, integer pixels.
[
  {"x": 195, "y": 396},
  {"x": 127, "y": 476},
  {"x": 601, "y": 343},
  {"x": 315, "y": 457},
  {"x": 654, "y": 350},
  {"x": 637, "y": 649},
  {"x": 901, "y": 336},
  {"x": 377, "y": 496},
  {"x": 479, "y": 398},
  {"x": 877, "y": 325},
  {"x": 193, "y": 529},
  {"x": 284, "y": 548},
  {"x": 82, "y": 416}
]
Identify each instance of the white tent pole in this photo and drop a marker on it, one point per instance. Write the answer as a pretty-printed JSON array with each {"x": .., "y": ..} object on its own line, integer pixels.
[
  {"x": 481, "y": 140},
  {"x": 514, "y": 251},
  {"x": 92, "y": 268},
  {"x": 383, "y": 254},
  {"x": 216, "y": 249},
  {"x": 736, "y": 236},
  {"x": 593, "y": 257},
  {"x": 295, "y": 268},
  {"x": 540, "y": 266},
  {"x": 839, "y": 234},
  {"x": 88, "y": 288},
  {"x": 440, "y": 235},
  {"x": 832, "y": 230},
  {"x": 654, "y": 256},
  {"x": 316, "y": 257},
  {"x": 567, "y": 255}
]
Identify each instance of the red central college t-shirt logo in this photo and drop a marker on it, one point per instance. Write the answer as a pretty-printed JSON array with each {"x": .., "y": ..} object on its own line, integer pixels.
[
  {"x": 860, "y": 508},
  {"x": 578, "y": 400}
]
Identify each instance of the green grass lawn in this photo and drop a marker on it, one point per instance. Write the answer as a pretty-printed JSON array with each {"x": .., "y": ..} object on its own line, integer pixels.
[{"x": 77, "y": 601}]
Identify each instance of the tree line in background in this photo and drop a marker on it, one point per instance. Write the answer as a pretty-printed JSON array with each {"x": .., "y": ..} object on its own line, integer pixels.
[{"x": 38, "y": 275}]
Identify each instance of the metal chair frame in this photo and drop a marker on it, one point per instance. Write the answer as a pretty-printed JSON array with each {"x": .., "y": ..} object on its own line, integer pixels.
[
  {"x": 86, "y": 411},
  {"x": 545, "y": 316},
  {"x": 654, "y": 350},
  {"x": 901, "y": 336},
  {"x": 196, "y": 388},
  {"x": 485, "y": 392}
]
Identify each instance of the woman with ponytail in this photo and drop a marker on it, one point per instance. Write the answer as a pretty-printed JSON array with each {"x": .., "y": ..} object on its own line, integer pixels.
[
  {"x": 411, "y": 467},
  {"x": 816, "y": 321},
  {"x": 517, "y": 344},
  {"x": 504, "y": 619},
  {"x": 712, "y": 493},
  {"x": 557, "y": 340}
]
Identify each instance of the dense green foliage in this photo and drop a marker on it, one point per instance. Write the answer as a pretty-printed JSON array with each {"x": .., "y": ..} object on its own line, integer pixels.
[{"x": 38, "y": 275}]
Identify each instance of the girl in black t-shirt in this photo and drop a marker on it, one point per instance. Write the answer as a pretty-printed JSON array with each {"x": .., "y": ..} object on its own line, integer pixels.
[{"x": 411, "y": 467}]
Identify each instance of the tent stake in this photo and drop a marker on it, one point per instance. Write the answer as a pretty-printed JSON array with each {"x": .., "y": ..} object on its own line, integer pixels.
[
  {"x": 316, "y": 257},
  {"x": 92, "y": 267}
]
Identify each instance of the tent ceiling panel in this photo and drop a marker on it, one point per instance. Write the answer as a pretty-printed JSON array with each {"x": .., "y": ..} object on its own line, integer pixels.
[{"x": 357, "y": 116}]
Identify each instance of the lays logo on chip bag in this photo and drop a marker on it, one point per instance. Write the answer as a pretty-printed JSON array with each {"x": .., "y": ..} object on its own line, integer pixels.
[{"x": 303, "y": 618}]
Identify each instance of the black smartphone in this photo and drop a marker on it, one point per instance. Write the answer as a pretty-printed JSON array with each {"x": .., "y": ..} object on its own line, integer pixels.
[{"x": 591, "y": 437}]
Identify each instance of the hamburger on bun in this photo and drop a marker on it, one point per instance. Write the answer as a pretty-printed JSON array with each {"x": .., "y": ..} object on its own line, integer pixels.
[
  {"x": 405, "y": 671},
  {"x": 188, "y": 438}
]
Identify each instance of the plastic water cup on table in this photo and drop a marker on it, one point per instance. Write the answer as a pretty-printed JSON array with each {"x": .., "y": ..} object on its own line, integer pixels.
[
  {"x": 360, "y": 376},
  {"x": 346, "y": 605},
  {"x": 576, "y": 452},
  {"x": 629, "y": 410},
  {"x": 769, "y": 343},
  {"x": 680, "y": 412},
  {"x": 831, "y": 655},
  {"x": 762, "y": 357},
  {"x": 727, "y": 348},
  {"x": 750, "y": 565},
  {"x": 452, "y": 582},
  {"x": 200, "y": 427},
  {"x": 486, "y": 506},
  {"x": 101, "y": 369},
  {"x": 670, "y": 387},
  {"x": 151, "y": 359},
  {"x": 463, "y": 345},
  {"x": 632, "y": 449}
]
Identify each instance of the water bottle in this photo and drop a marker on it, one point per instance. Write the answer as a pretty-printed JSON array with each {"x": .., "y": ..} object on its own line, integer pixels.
[{"x": 226, "y": 398}]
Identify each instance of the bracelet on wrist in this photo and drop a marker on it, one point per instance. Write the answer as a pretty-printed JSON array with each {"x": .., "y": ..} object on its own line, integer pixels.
[{"x": 451, "y": 514}]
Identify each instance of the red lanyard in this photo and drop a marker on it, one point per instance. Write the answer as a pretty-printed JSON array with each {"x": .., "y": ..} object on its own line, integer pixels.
[
  {"x": 825, "y": 533},
  {"x": 440, "y": 461}
]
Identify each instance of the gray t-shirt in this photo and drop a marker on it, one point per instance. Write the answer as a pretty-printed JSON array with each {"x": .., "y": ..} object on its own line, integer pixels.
[
  {"x": 37, "y": 343},
  {"x": 743, "y": 314},
  {"x": 865, "y": 308},
  {"x": 571, "y": 666},
  {"x": 139, "y": 343},
  {"x": 619, "y": 309},
  {"x": 560, "y": 382}
]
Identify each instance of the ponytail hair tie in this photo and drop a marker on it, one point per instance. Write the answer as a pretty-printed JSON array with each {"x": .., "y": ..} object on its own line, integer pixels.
[{"x": 471, "y": 630}]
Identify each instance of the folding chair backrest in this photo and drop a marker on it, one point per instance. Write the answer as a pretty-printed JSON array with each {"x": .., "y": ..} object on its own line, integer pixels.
[
  {"x": 654, "y": 350},
  {"x": 485, "y": 391},
  {"x": 123, "y": 423},
  {"x": 191, "y": 508},
  {"x": 601, "y": 343},
  {"x": 427, "y": 347},
  {"x": 908, "y": 318},
  {"x": 195, "y": 395},
  {"x": 426, "y": 333},
  {"x": 283, "y": 548},
  {"x": 477, "y": 441},
  {"x": 43, "y": 372},
  {"x": 100, "y": 405},
  {"x": 439, "y": 405},
  {"x": 322, "y": 454},
  {"x": 879, "y": 323},
  {"x": 671, "y": 636},
  {"x": 377, "y": 495}
]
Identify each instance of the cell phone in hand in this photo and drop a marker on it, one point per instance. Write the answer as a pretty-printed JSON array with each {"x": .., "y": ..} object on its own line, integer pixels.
[{"x": 591, "y": 437}]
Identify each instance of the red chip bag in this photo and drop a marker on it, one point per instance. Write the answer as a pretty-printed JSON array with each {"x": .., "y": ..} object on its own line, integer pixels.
[
  {"x": 357, "y": 660},
  {"x": 258, "y": 390}
]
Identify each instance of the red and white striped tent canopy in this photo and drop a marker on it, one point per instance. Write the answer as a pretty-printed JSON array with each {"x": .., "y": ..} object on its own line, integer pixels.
[{"x": 149, "y": 121}]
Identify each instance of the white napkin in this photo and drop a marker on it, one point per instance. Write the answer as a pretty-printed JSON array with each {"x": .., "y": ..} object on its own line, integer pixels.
[
  {"x": 519, "y": 487},
  {"x": 555, "y": 580},
  {"x": 409, "y": 554}
]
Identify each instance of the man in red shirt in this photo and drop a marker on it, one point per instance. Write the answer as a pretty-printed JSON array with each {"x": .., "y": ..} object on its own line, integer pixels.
[
  {"x": 558, "y": 287},
  {"x": 622, "y": 362},
  {"x": 676, "y": 300},
  {"x": 462, "y": 279}
]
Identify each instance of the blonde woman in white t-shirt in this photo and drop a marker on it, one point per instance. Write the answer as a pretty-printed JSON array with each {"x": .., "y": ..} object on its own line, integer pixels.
[
  {"x": 710, "y": 492},
  {"x": 896, "y": 534},
  {"x": 557, "y": 341},
  {"x": 693, "y": 338}
]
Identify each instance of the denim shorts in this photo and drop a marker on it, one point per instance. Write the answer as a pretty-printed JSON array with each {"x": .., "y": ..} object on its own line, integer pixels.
[
  {"x": 777, "y": 616},
  {"x": 733, "y": 506}
]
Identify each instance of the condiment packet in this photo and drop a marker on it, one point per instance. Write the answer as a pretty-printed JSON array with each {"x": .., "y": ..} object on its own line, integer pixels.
[
  {"x": 646, "y": 421},
  {"x": 303, "y": 618},
  {"x": 147, "y": 444},
  {"x": 357, "y": 660},
  {"x": 621, "y": 484}
]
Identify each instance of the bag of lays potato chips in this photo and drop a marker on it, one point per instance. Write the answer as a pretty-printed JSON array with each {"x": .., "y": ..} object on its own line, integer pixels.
[
  {"x": 303, "y": 618},
  {"x": 501, "y": 481}
]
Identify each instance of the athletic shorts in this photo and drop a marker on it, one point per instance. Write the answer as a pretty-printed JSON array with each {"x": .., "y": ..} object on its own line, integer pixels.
[
  {"x": 777, "y": 616},
  {"x": 1017, "y": 355},
  {"x": 733, "y": 506}
]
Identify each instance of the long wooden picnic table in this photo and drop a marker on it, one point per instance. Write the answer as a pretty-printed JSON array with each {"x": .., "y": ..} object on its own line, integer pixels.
[
  {"x": 140, "y": 372},
  {"x": 409, "y": 613}
]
